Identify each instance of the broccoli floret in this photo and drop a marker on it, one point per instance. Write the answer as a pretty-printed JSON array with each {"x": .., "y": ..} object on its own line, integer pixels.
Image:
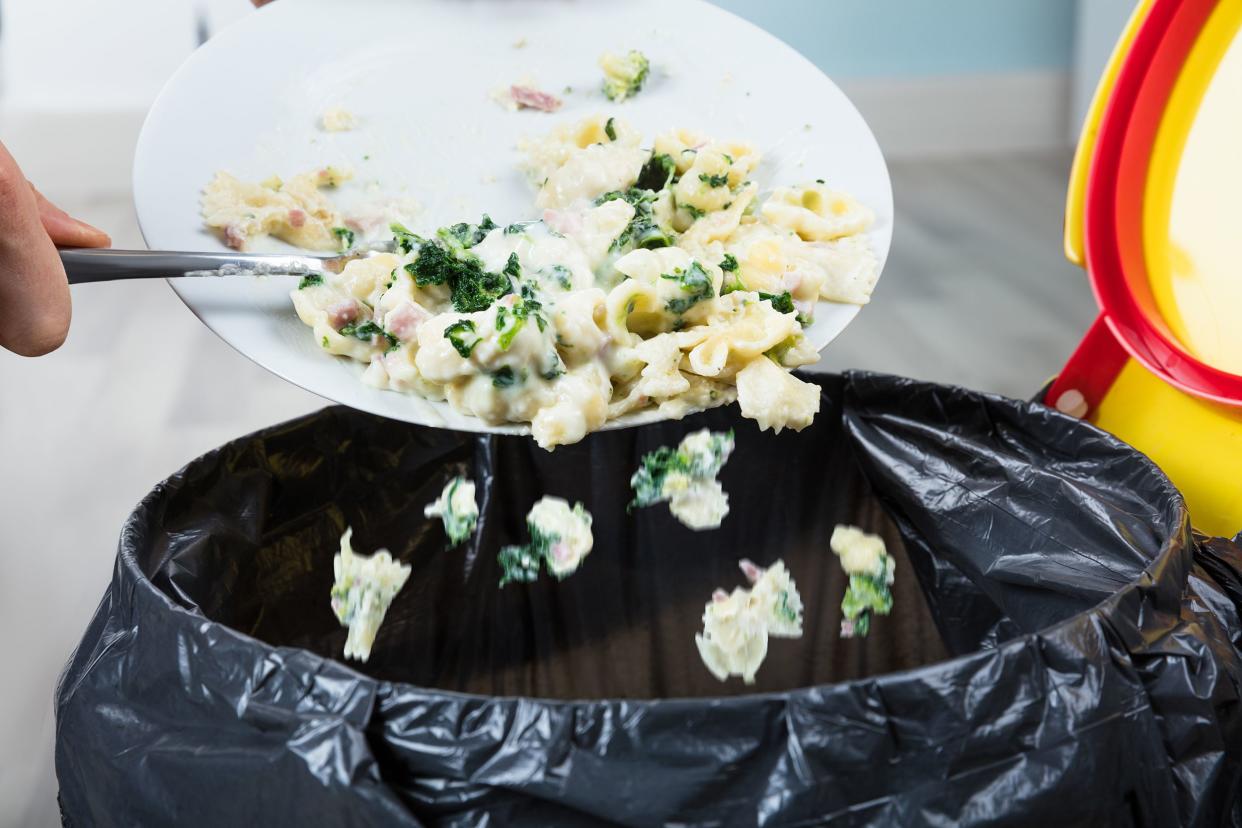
[
  {"x": 729, "y": 263},
  {"x": 310, "y": 280},
  {"x": 463, "y": 337},
  {"x": 721, "y": 180},
  {"x": 695, "y": 284},
  {"x": 782, "y": 302},
  {"x": 610, "y": 130},
  {"x": 624, "y": 75},
  {"x": 659, "y": 171}
]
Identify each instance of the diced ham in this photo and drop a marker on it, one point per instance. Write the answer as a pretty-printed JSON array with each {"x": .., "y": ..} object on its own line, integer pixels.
[
  {"x": 793, "y": 280},
  {"x": 561, "y": 553},
  {"x": 404, "y": 320},
  {"x": 565, "y": 222},
  {"x": 297, "y": 217},
  {"x": 532, "y": 98},
  {"x": 804, "y": 307},
  {"x": 235, "y": 237},
  {"x": 751, "y": 570},
  {"x": 342, "y": 313},
  {"x": 365, "y": 224}
]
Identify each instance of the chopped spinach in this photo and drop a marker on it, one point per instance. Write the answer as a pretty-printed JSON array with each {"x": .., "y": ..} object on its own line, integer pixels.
[
  {"x": 781, "y": 302},
  {"x": 463, "y": 337},
  {"x": 467, "y": 235},
  {"x": 403, "y": 238},
  {"x": 518, "y": 227},
  {"x": 518, "y": 564},
  {"x": 561, "y": 274},
  {"x": 643, "y": 231},
  {"x": 367, "y": 332},
  {"x": 504, "y": 377},
  {"x": 865, "y": 596},
  {"x": 472, "y": 287},
  {"x": 657, "y": 173},
  {"x": 345, "y": 236},
  {"x": 656, "y": 466},
  {"x": 625, "y": 75},
  {"x": 695, "y": 284}
]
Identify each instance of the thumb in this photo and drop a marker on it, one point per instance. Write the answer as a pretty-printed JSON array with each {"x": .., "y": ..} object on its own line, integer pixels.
[{"x": 64, "y": 229}]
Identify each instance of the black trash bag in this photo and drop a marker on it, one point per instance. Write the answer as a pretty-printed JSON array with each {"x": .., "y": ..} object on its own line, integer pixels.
[{"x": 1075, "y": 660}]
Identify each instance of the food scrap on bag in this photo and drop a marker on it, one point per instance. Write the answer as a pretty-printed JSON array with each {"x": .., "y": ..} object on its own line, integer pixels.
[{"x": 364, "y": 588}]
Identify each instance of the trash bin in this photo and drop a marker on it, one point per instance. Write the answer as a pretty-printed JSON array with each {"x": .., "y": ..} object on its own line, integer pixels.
[{"x": 1062, "y": 650}]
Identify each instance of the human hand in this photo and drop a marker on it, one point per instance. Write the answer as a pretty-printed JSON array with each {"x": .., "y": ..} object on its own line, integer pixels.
[{"x": 34, "y": 294}]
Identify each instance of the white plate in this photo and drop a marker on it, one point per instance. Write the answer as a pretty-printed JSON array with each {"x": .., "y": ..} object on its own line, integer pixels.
[{"x": 418, "y": 74}]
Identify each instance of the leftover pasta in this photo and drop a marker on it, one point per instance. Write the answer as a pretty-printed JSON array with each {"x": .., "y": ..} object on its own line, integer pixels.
[
  {"x": 560, "y": 537},
  {"x": 364, "y": 587},
  {"x": 685, "y": 478},
  {"x": 456, "y": 508},
  {"x": 871, "y": 570},
  {"x": 737, "y": 625},
  {"x": 654, "y": 277}
]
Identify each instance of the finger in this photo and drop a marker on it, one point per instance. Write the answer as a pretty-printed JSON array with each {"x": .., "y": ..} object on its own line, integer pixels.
[
  {"x": 64, "y": 229},
  {"x": 34, "y": 295}
]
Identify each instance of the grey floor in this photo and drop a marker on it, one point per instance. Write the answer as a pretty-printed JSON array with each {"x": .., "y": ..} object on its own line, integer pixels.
[{"x": 976, "y": 292}]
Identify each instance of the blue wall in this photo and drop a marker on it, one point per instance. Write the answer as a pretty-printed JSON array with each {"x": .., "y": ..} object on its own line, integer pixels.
[{"x": 875, "y": 38}]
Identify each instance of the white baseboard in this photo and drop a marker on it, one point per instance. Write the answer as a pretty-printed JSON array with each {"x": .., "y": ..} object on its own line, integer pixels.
[{"x": 965, "y": 114}]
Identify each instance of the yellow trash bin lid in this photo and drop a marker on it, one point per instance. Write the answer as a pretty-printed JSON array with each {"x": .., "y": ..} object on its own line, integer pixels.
[{"x": 1153, "y": 216}]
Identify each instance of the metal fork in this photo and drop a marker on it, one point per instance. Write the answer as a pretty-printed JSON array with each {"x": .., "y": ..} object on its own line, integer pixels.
[{"x": 105, "y": 265}]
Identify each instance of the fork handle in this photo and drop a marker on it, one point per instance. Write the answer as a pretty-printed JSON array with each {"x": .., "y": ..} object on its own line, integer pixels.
[{"x": 106, "y": 265}]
